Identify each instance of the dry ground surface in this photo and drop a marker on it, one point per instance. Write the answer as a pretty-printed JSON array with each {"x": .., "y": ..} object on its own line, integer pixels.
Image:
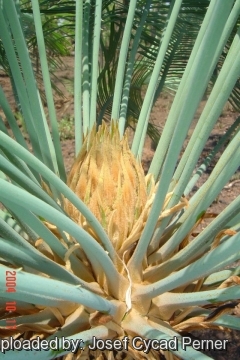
[{"x": 159, "y": 114}]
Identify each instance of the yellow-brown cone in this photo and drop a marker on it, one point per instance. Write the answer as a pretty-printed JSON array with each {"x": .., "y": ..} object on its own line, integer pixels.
[{"x": 110, "y": 181}]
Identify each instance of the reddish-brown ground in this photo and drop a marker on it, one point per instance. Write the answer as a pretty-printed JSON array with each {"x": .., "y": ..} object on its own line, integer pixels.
[{"x": 159, "y": 114}]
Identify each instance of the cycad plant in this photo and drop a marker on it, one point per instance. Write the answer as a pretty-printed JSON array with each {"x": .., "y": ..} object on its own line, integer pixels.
[{"x": 102, "y": 261}]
